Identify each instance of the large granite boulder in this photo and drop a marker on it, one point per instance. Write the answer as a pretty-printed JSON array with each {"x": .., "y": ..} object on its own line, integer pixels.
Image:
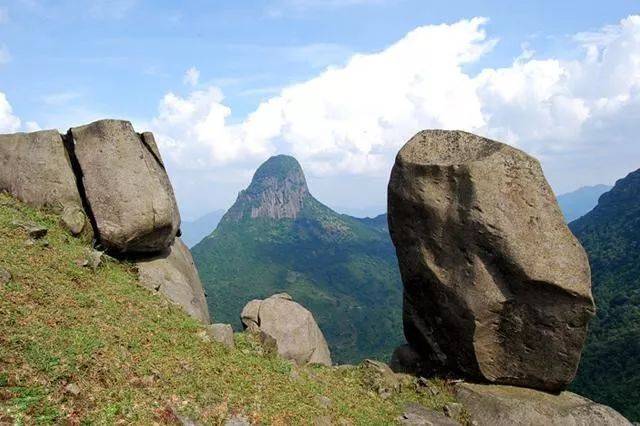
[
  {"x": 174, "y": 275},
  {"x": 36, "y": 169},
  {"x": 497, "y": 405},
  {"x": 126, "y": 186},
  {"x": 495, "y": 285},
  {"x": 294, "y": 329}
]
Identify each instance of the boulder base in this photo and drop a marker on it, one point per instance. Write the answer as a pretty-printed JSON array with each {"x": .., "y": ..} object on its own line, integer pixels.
[
  {"x": 126, "y": 187},
  {"x": 495, "y": 285},
  {"x": 174, "y": 274},
  {"x": 294, "y": 329},
  {"x": 496, "y": 405}
]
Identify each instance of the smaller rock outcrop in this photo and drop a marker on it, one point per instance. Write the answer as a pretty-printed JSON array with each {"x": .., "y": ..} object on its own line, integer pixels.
[
  {"x": 174, "y": 275},
  {"x": 294, "y": 329},
  {"x": 499, "y": 405},
  {"x": 496, "y": 287},
  {"x": 378, "y": 377},
  {"x": 35, "y": 168},
  {"x": 221, "y": 333},
  {"x": 5, "y": 276},
  {"x": 126, "y": 187}
]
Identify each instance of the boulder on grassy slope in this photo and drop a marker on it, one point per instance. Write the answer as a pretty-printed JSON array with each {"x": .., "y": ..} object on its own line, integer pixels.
[
  {"x": 174, "y": 274},
  {"x": 126, "y": 186},
  {"x": 36, "y": 169},
  {"x": 294, "y": 329},
  {"x": 495, "y": 285},
  {"x": 496, "y": 405}
]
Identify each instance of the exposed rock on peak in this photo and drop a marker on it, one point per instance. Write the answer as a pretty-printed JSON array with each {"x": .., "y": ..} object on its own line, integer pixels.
[
  {"x": 495, "y": 285},
  {"x": 278, "y": 190}
]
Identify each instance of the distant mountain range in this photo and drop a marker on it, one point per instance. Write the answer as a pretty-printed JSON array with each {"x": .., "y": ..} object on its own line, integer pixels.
[
  {"x": 581, "y": 201},
  {"x": 610, "y": 368},
  {"x": 278, "y": 238},
  {"x": 194, "y": 231}
]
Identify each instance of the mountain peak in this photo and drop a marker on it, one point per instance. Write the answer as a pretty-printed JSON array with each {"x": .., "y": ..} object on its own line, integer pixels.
[
  {"x": 280, "y": 167},
  {"x": 278, "y": 190}
]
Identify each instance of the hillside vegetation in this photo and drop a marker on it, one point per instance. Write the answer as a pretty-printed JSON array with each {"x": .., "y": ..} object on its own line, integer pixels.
[
  {"x": 83, "y": 346},
  {"x": 610, "y": 368}
]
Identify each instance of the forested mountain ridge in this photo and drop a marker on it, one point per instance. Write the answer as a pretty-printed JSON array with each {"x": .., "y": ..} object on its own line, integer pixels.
[{"x": 610, "y": 368}]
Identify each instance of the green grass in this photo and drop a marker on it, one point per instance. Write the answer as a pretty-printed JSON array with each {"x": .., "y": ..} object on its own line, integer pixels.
[{"x": 138, "y": 359}]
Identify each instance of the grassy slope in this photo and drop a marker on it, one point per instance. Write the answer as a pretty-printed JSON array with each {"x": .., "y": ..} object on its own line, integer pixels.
[
  {"x": 136, "y": 358},
  {"x": 342, "y": 269}
]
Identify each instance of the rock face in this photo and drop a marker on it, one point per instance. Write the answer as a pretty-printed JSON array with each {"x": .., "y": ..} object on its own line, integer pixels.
[
  {"x": 35, "y": 168},
  {"x": 496, "y": 405},
  {"x": 173, "y": 274},
  {"x": 296, "y": 332},
  {"x": 495, "y": 285},
  {"x": 126, "y": 187},
  {"x": 278, "y": 190}
]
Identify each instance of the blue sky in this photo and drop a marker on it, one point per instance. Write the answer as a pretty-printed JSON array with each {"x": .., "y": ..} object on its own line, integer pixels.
[{"x": 65, "y": 62}]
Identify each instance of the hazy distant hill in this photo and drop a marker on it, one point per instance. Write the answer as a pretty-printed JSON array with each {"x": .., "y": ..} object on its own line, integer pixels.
[
  {"x": 194, "y": 231},
  {"x": 278, "y": 237},
  {"x": 610, "y": 367},
  {"x": 579, "y": 202}
]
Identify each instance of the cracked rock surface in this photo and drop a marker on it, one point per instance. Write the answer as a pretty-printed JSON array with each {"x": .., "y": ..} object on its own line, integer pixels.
[{"x": 126, "y": 187}]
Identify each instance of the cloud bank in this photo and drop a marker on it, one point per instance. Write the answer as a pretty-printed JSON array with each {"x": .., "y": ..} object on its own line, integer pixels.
[{"x": 353, "y": 119}]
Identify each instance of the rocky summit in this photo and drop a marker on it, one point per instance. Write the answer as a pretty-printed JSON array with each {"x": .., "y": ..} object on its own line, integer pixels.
[
  {"x": 278, "y": 190},
  {"x": 496, "y": 287}
]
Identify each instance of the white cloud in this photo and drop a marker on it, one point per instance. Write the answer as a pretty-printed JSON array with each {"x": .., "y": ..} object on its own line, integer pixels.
[
  {"x": 9, "y": 123},
  {"x": 191, "y": 76},
  {"x": 4, "y": 15},
  {"x": 352, "y": 119}
]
